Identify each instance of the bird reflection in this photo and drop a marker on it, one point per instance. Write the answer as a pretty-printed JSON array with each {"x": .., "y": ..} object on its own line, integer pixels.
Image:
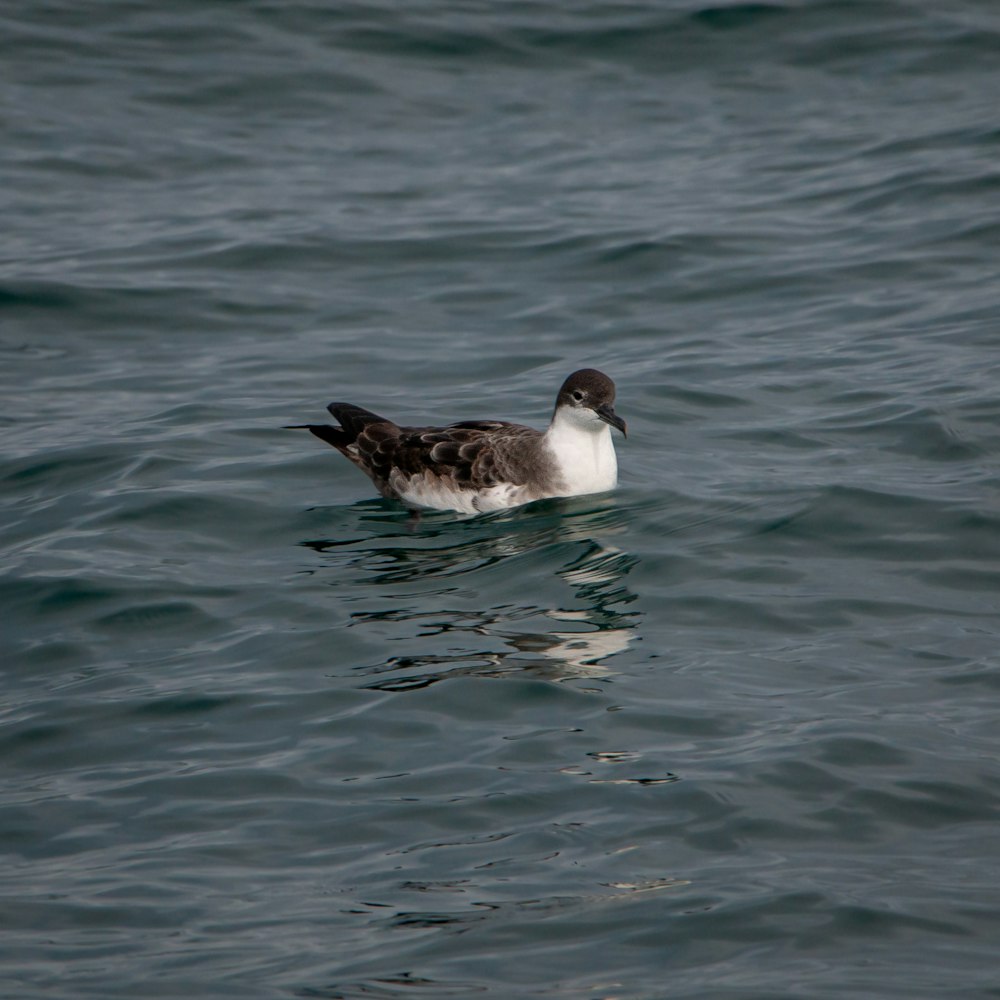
[{"x": 423, "y": 570}]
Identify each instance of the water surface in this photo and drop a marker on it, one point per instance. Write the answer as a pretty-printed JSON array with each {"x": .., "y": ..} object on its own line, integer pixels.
[{"x": 727, "y": 732}]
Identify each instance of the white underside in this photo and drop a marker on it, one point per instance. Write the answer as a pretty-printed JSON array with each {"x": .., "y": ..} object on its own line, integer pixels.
[
  {"x": 433, "y": 492},
  {"x": 580, "y": 445}
]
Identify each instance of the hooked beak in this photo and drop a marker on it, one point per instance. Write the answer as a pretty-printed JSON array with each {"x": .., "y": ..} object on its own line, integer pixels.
[{"x": 608, "y": 415}]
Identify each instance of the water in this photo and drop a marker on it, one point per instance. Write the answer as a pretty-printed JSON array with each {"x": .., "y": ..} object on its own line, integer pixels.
[{"x": 728, "y": 732}]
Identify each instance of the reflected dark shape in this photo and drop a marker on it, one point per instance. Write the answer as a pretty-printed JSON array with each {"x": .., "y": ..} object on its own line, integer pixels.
[
  {"x": 456, "y": 885},
  {"x": 666, "y": 779},
  {"x": 614, "y": 758},
  {"x": 562, "y": 642},
  {"x": 555, "y": 656},
  {"x": 469, "y": 543},
  {"x": 403, "y": 984},
  {"x": 651, "y": 885},
  {"x": 417, "y": 919},
  {"x": 597, "y": 575}
]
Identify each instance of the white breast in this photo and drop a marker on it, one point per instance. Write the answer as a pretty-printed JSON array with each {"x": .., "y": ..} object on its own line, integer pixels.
[{"x": 583, "y": 450}]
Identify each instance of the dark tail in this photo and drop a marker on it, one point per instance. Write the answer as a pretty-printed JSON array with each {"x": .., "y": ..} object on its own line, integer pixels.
[{"x": 352, "y": 419}]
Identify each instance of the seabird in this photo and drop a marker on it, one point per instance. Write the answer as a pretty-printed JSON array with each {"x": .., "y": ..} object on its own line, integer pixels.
[{"x": 479, "y": 465}]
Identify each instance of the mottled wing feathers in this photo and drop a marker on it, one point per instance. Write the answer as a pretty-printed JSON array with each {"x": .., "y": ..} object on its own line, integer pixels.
[
  {"x": 469, "y": 455},
  {"x": 482, "y": 425},
  {"x": 475, "y": 455}
]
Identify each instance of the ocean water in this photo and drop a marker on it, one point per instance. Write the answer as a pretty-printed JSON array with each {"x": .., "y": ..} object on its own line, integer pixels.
[{"x": 728, "y": 732}]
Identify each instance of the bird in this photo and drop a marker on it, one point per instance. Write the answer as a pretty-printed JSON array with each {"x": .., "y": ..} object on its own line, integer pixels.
[{"x": 475, "y": 466}]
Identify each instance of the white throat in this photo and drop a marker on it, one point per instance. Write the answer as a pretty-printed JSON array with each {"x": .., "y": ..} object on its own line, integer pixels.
[{"x": 581, "y": 444}]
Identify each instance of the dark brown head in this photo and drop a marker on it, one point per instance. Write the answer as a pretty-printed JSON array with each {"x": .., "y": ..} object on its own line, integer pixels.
[{"x": 589, "y": 397}]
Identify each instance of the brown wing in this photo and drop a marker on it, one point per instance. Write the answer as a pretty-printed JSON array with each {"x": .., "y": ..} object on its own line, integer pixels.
[{"x": 474, "y": 455}]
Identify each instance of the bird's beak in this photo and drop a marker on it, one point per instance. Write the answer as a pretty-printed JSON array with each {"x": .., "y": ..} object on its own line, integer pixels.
[{"x": 608, "y": 415}]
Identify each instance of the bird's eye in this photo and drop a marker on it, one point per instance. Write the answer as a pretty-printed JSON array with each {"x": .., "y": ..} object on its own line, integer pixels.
[{"x": 577, "y": 395}]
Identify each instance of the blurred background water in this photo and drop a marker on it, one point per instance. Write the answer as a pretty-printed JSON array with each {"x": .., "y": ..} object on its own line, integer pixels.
[{"x": 730, "y": 731}]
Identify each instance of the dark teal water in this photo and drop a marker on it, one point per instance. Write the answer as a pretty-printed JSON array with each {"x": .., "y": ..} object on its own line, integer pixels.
[{"x": 730, "y": 732}]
